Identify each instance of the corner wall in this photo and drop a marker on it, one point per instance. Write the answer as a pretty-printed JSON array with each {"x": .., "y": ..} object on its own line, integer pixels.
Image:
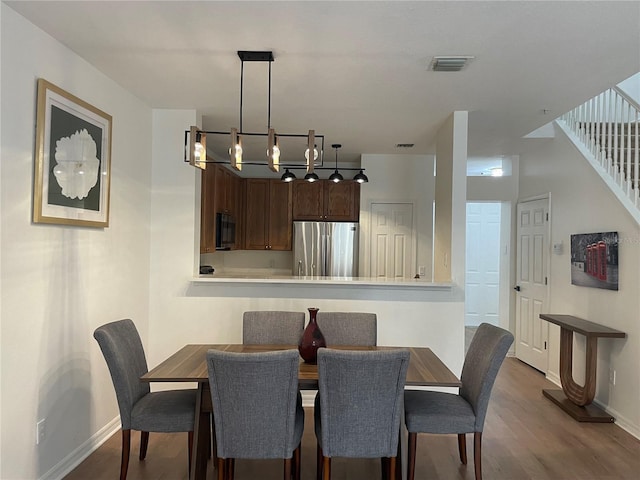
[
  {"x": 581, "y": 203},
  {"x": 61, "y": 282}
]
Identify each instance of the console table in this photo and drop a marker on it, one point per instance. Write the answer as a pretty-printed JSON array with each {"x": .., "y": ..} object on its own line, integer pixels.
[{"x": 576, "y": 400}]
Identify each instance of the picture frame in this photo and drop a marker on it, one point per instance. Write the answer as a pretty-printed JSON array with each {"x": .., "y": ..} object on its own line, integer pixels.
[
  {"x": 72, "y": 174},
  {"x": 594, "y": 260}
]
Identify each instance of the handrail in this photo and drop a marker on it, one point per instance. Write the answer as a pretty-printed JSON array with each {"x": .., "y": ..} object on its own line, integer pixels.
[{"x": 605, "y": 129}]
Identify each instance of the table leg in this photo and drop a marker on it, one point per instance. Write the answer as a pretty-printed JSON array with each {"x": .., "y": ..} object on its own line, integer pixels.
[
  {"x": 201, "y": 435},
  {"x": 580, "y": 395}
]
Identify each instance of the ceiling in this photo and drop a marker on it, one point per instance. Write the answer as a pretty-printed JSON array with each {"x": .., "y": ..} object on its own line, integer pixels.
[{"x": 357, "y": 72}]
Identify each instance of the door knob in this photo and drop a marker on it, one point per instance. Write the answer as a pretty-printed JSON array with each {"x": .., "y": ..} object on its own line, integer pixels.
[{"x": 517, "y": 288}]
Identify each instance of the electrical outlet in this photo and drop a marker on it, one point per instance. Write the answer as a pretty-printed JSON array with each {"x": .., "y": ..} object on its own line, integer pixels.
[
  {"x": 422, "y": 270},
  {"x": 612, "y": 376},
  {"x": 40, "y": 431}
]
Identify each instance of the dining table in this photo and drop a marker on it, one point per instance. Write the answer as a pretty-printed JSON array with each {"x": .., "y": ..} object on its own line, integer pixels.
[{"x": 189, "y": 365}]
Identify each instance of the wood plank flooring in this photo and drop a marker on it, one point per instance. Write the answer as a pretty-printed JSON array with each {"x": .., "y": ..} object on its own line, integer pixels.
[{"x": 526, "y": 437}]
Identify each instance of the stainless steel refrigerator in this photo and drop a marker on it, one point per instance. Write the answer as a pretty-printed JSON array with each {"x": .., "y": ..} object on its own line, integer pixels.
[{"x": 325, "y": 249}]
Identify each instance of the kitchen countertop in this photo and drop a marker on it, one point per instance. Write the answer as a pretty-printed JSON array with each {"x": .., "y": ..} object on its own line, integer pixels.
[{"x": 271, "y": 278}]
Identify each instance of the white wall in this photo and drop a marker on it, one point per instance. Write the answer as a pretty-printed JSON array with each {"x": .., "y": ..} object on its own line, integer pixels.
[
  {"x": 581, "y": 203},
  {"x": 60, "y": 282},
  {"x": 400, "y": 179}
]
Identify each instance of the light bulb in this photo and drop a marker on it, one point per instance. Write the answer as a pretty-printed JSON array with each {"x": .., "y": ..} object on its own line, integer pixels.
[
  {"x": 198, "y": 151},
  {"x": 315, "y": 153}
]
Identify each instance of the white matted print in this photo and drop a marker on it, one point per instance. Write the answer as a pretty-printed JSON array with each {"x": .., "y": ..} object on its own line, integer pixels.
[{"x": 72, "y": 160}]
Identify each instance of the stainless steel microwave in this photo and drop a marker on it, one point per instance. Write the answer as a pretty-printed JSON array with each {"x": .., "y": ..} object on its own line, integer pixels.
[{"x": 225, "y": 231}]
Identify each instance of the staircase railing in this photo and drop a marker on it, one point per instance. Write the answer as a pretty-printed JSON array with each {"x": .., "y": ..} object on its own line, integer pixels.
[{"x": 605, "y": 130}]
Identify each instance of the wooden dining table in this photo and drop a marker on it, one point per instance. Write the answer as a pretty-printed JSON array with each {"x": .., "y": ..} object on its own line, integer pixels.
[{"x": 189, "y": 365}]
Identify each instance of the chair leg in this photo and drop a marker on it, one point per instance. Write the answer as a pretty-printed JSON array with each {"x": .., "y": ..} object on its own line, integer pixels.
[
  {"x": 126, "y": 446},
  {"x": 384, "y": 468},
  {"x": 411, "y": 456},
  {"x": 190, "y": 447},
  {"x": 326, "y": 468},
  {"x": 287, "y": 469},
  {"x": 144, "y": 443},
  {"x": 297, "y": 458},
  {"x": 477, "y": 454},
  {"x": 462, "y": 447},
  {"x": 392, "y": 468},
  {"x": 231, "y": 468},
  {"x": 318, "y": 462},
  {"x": 398, "y": 472},
  {"x": 222, "y": 470}
]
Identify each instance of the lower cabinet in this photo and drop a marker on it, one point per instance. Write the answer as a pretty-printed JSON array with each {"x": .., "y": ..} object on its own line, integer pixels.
[{"x": 268, "y": 214}]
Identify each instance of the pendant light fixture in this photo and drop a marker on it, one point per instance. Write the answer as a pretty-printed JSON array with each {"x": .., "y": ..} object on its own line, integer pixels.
[
  {"x": 361, "y": 177},
  {"x": 299, "y": 155},
  {"x": 336, "y": 176},
  {"x": 287, "y": 176}
]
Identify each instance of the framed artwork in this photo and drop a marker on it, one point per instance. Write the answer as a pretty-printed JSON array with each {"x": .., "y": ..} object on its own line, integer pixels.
[
  {"x": 594, "y": 260},
  {"x": 72, "y": 160}
]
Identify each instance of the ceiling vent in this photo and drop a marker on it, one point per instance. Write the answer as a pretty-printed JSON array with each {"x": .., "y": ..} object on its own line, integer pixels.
[
  {"x": 405, "y": 145},
  {"x": 450, "y": 64}
]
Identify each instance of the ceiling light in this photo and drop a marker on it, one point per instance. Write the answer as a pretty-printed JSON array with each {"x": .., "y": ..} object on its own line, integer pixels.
[
  {"x": 311, "y": 177},
  {"x": 451, "y": 63},
  {"x": 336, "y": 176},
  {"x": 242, "y": 144},
  {"x": 287, "y": 176},
  {"x": 361, "y": 177}
]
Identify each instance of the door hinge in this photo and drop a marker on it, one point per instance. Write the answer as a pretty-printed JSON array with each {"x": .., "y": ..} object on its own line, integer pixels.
[
  {"x": 545, "y": 280},
  {"x": 547, "y": 216},
  {"x": 545, "y": 345}
]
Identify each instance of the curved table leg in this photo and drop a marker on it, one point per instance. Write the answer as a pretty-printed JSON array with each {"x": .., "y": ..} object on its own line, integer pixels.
[{"x": 580, "y": 395}]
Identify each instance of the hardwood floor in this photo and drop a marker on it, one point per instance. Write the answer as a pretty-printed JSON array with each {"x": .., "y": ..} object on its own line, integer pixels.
[{"x": 525, "y": 437}]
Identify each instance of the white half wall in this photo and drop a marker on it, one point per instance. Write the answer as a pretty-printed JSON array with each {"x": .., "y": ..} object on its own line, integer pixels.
[{"x": 60, "y": 282}]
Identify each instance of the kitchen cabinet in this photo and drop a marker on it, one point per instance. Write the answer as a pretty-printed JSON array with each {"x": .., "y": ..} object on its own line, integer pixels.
[
  {"x": 207, "y": 211},
  {"x": 326, "y": 200},
  {"x": 221, "y": 192},
  {"x": 268, "y": 214}
]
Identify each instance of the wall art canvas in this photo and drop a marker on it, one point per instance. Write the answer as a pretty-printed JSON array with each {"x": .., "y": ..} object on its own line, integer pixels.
[
  {"x": 594, "y": 260},
  {"x": 72, "y": 160}
]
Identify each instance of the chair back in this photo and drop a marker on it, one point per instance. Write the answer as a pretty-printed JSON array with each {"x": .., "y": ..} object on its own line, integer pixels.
[
  {"x": 272, "y": 327},
  {"x": 255, "y": 403},
  {"x": 481, "y": 364},
  {"x": 361, "y": 397},
  {"x": 123, "y": 351},
  {"x": 348, "y": 328}
]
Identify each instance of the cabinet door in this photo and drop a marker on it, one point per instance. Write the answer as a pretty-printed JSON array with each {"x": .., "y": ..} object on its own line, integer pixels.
[
  {"x": 224, "y": 198},
  {"x": 308, "y": 200},
  {"x": 256, "y": 226},
  {"x": 207, "y": 211},
  {"x": 280, "y": 215},
  {"x": 342, "y": 201}
]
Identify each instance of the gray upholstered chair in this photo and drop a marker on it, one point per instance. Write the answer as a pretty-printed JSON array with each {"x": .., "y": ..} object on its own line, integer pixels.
[
  {"x": 257, "y": 408},
  {"x": 358, "y": 407},
  {"x": 439, "y": 412},
  {"x": 272, "y": 327},
  {"x": 348, "y": 328},
  {"x": 168, "y": 411}
]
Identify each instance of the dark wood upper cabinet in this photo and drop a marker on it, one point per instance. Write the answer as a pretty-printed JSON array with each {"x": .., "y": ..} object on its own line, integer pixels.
[
  {"x": 326, "y": 201},
  {"x": 221, "y": 192},
  {"x": 207, "y": 211},
  {"x": 268, "y": 214}
]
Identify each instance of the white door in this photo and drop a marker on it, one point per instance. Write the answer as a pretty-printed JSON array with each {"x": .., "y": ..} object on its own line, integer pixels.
[
  {"x": 392, "y": 240},
  {"x": 482, "y": 284},
  {"x": 531, "y": 277}
]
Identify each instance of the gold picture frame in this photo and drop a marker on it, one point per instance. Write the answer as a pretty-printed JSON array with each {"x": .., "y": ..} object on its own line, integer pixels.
[{"x": 72, "y": 160}]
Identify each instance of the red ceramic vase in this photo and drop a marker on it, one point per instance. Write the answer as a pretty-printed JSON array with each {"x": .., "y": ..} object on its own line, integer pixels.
[{"x": 312, "y": 339}]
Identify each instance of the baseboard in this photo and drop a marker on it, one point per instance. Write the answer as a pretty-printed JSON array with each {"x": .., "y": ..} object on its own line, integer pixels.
[
  {"x": 554, "y": 378},
  {"x": 75, "y": 458},
  {"x": 620, "y": 420}
]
